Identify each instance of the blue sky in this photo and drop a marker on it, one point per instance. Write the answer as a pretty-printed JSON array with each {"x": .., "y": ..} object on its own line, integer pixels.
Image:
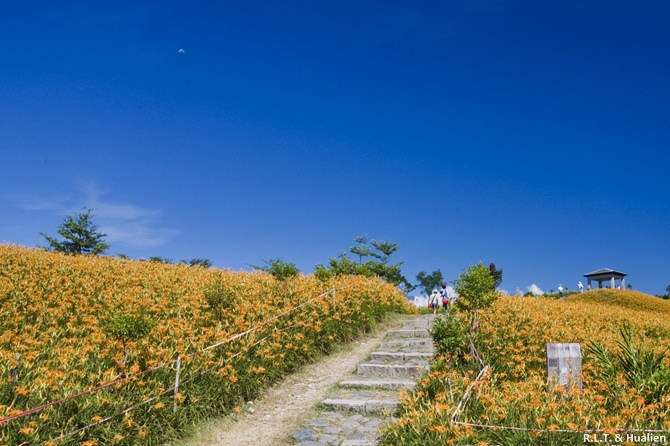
[{"x": 531, "y": 134}]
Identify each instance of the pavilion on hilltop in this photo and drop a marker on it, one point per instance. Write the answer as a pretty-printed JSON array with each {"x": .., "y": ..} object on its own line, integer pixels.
[{"x": 606, "y": 274}]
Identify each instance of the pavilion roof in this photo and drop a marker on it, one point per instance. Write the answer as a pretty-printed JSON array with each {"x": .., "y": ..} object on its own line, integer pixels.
[{"x": 605, "y": 272}]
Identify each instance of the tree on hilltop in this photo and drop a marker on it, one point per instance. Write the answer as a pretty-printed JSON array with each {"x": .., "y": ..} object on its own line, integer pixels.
[
  {"x": 378, "y": 266},
  {"x": 159, "y": 259},
  {"x": 205, "y": 263},
  {"x": 429, "y": 282},
  {"x": 81, "y": 236},
  {"x": 497, "y": 275},
  {"x": 361, "y": 249},
  {"x": 279, "y": 268}
]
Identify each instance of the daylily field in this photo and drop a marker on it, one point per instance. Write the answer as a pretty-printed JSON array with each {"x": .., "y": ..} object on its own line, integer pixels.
[
  {"x": 513, "y": 403},
  {"x": 89, "y": 345},
  {"x": 105, "y": 351}
]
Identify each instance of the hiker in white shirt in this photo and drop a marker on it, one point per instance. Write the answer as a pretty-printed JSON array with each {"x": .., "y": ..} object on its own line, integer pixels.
[{"x": 434, "y": 301}]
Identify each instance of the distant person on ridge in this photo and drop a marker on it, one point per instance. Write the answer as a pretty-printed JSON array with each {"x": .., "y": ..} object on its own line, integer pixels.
[
  {"x": 581, "y": 287},
  {"x": 560, "y": 291}
]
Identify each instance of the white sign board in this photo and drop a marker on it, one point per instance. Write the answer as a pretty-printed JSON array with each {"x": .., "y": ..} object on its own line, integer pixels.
[{"x": 564, "y": 363}]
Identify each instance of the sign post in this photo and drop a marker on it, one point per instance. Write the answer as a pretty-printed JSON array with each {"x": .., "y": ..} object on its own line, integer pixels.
[{"x": 564, "y": 364}]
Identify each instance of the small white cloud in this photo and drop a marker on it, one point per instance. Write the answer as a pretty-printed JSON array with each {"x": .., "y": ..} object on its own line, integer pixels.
[
  {"x": 122, "y": 211},
  {"x": 138, "y": 234},
  {"x": 181, "y": 50},
  {"x": 123, "y": 224},
  {"x": 130, "y": 225},
  {"x": 534, "y": 289},
  {"x": 35, "y": 203}
]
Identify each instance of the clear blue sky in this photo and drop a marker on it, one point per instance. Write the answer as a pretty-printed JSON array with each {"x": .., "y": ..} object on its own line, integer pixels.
[{"x": 531, "y": 134}]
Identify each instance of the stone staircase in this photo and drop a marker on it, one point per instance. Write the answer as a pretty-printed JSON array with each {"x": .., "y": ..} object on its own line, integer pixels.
[{"x": 357, "y": 408}]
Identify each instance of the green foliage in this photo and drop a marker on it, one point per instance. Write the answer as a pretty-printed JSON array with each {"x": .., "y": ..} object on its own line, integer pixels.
[
  {"x": 378, "y": 266},
  {"x": 556, "y": 295},
  {"x": 497, "y": 275},
  {"x": 428, "y": 282},
  {"x": 205, "y": 263},
  {"x": 384, "y": 250},
  {"x": 157, "y": 259},
  {"x": 361, "y": 249},
  {"x": 323, "y": 273},
  {"x": 279, "y": 269},
  {"x": 342, "y": 265},
  {"x": 126, "y": 327},
  {"x": 219, "y": 298},
  {"x": 450, "y": 336},
  {"x": 475, "y": 287},
  {"x": 81, "y": 236},
  {"x": 642, "y": 369}
]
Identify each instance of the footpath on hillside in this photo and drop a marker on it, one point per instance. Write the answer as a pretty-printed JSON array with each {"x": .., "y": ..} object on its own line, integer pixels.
[{"x": 342, "y": 400}]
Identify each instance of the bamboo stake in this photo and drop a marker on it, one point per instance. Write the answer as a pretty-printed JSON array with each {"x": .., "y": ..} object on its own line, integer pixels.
[{"x": 176, "y": 383}]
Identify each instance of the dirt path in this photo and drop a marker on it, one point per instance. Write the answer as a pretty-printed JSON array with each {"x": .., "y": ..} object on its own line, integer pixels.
[{"x": 282, "y": 409}]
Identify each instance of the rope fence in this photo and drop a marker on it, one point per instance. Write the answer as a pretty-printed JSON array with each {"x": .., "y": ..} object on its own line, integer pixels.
[{"x": 177, "y": 362}]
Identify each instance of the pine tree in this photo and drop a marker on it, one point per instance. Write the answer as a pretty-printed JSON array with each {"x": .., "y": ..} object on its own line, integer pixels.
[{"x": 81, "y": 236}]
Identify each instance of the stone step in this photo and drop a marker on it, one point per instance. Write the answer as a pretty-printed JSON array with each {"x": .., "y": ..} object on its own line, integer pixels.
[
  {"x": 354, "y": 411},
  {"x": 407, "y": 342},
  {"x": 366, "y": 406},
  {"x": 399, "y": 356},
  {"x": 397, "y": 348},
  {"x": 408, "y": 333},
  {"x": 407, "y": 369},
  {"x": 368, "y": 401},
  {"x": 338, "y": 428},
  {"x": 378, "y": 383},
  {"x": 419, "y": 344},
  {"x": 421, "y": 321},
  {"x": 418, "y": 324}
]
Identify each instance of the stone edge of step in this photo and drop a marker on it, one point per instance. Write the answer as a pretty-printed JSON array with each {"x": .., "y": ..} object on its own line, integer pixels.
[
  {"x": 379, "y": 383},
  {"x": 362, "y": 405},
  {"x": 400, "y": 355}
]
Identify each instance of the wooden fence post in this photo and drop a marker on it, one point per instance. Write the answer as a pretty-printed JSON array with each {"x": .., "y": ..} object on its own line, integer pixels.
[
  {"x": 176, "y": 383},
  {"x": 14, "y": 373}
]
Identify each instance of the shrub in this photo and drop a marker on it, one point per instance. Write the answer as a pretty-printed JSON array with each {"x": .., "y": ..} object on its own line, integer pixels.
[
  {"x": 475, "y": 287},
  {"x": 279, "y": 269},
  {"x": 450, "y": 336},
  {"x": 643, "y": 370},
  {"x": 219, "y": 298},
  {"x": 126, "y": 327}
]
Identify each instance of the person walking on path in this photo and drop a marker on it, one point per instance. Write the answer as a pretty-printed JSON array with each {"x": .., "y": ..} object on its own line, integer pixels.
[
  {"x": 434, "y": 301},
  {"x": 444, "y": 295},
  {"x": 560, "y": 291},
  {"x": 581, "y": 287}
]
